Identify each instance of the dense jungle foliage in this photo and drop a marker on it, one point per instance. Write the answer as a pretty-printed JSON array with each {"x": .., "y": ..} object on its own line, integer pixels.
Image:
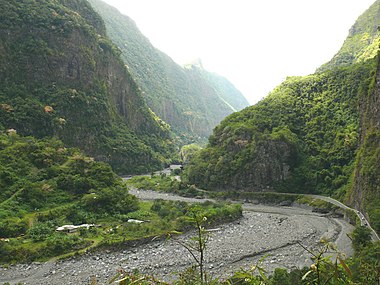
[
  {"x": 315, "y": 116},
  {"x": 61, "y": 76},
  {"x": 45, "y": 185},
  {"x": 191, "y": 100}
]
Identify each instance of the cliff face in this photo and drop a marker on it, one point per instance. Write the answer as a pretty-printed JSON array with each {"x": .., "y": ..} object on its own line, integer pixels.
[
  {"x": 61, "y": 76},
  {"x": 365, "y": 194},
  {"x": 191, "y": 100},
  {"x": 271, "y": 166}
]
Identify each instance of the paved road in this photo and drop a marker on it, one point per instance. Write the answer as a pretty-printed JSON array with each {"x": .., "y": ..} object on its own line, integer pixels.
[{"x": 363, "y": 221}]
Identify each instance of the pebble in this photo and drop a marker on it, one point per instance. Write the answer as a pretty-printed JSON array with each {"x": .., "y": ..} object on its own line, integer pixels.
[{"x": 222, "y": 253}]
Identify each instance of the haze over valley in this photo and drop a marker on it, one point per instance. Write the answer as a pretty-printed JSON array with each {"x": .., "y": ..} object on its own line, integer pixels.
[{"x": 120, "y": 166}]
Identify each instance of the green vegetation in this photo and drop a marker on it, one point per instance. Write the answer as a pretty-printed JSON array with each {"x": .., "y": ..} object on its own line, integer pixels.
[
  {"x": 61, "y": 76},
  {"x": 366, "y": 191},
  {"x": 188, "y": 151},
  {"x": 45, "y": 185},
  {"x": 191, "y": 100},
  {"x": 370, "y": 183},
  {"x": 313, "y": 134},
  {"x": 362, "y": 269},
  {"x": 161, "y": 182},
  {"x": 167, "y": 183},
  {"x": 301, "y": 138},
  {"x": 362, "y": 42}
]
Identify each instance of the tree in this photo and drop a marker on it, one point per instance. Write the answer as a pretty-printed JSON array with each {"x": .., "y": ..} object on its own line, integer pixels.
[{"x": 361, "y": 238}]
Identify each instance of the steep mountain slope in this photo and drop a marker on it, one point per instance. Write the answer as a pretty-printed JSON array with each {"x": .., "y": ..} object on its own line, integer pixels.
[
  {"x": 61, "y": 76},
  {"x": 226, "y": 91},
  {"x": 317, "y": 134},
  {"x": 303, "y": 136},
  {"x": 192, "y": 101},
  {"x": 362, "y": 41},
  {"x": 365, "y": 193}
]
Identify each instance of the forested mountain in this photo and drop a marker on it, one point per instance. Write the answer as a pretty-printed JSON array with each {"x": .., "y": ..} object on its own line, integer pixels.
[
  {"x": 60, "y": 75},
  {"x": 191, "y": 100},
  {"x": 362, "y": 41},
  {"x": 314, "y": 134}
]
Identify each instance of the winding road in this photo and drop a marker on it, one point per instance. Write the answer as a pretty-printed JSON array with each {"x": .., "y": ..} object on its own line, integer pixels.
[{"x": 363, "y": 220}]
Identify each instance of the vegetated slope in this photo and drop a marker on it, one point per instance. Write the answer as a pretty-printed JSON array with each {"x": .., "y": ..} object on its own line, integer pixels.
[
  {"x": 362, "y": 41},
  {"x": 226, "y": 91},
  {"x": 61, "y": 76},
  {"x": 192, "y": 101},
  {"x": 365, "y": 193},
  {"x": 45, "y": 185},
  {"x": 304, "y": 136}
]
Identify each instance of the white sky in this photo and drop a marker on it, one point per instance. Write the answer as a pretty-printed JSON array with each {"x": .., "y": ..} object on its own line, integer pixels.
[{"x": 255, "y": 44}]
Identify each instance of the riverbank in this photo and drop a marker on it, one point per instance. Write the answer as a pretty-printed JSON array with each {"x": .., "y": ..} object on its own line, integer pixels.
[{"x": 264, "y": 230}]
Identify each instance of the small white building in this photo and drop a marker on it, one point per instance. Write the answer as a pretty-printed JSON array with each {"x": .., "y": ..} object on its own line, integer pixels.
[{"x": 72, "y": 228}]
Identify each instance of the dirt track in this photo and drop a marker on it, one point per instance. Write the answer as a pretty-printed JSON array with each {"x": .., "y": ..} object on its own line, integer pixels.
[{"x": 263, "y": 230}]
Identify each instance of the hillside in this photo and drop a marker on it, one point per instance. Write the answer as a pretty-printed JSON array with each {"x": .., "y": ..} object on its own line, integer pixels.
[
  {"x": 365, "y": 194},
  {"x": 61, "y": 76},
  {"x": 362, "y": 41},
  {"x": 191, "y": 100},
  {"x": 312, "y": 134},
  {"x": 45, "y": 185}
]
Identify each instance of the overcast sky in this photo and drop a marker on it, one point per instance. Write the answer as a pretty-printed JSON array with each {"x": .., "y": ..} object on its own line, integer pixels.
[{"x": 255, "y": 44}]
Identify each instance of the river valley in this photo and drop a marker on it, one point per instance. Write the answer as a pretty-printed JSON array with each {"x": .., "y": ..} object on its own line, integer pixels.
[{"x": 275, "y": 232}]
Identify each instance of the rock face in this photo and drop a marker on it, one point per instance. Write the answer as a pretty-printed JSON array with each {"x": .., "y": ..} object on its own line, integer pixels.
[
  {"x": 269, "y": 166},
  {"x": 239, "y": 160},
  {"x": 190, "y": 99},
  {"x": 366, "y": 189},
  {"x": 57, "y": 54},
  {"x": 272, "y": 165}
]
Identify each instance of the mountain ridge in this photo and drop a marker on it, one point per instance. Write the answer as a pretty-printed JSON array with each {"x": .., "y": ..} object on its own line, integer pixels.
[
  {"x": 187, "y": 99},
  {"x": 61, "y": 76},
  {"x": 362, "y": 41}
]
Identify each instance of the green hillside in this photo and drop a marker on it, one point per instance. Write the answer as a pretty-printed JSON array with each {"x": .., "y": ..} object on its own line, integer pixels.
[
  {"x": 313, "y": 134},
  {"x": 302, "y": 137},
  {"x": 45, "y": 185},
  {"x": 61, "y": 76},
  {"x": 365, "y": 191},
  {"x": 192, "y": 101},
  {"x": 362, "y": 41}
]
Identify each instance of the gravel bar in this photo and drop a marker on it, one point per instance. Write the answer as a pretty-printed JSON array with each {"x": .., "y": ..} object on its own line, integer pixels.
[{"x": 273, "y": 232}]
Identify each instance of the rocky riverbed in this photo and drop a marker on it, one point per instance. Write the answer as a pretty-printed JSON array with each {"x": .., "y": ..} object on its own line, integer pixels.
[{"x": 264, "y": 230}]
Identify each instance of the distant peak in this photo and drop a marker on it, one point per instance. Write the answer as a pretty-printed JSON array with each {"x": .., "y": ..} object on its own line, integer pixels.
[{"x": 195, "y": 63}]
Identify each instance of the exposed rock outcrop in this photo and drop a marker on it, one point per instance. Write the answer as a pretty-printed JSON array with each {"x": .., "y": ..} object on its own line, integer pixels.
[
  {"x": 57, "y": 54},
  {"x": 366, "y": 188}
]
